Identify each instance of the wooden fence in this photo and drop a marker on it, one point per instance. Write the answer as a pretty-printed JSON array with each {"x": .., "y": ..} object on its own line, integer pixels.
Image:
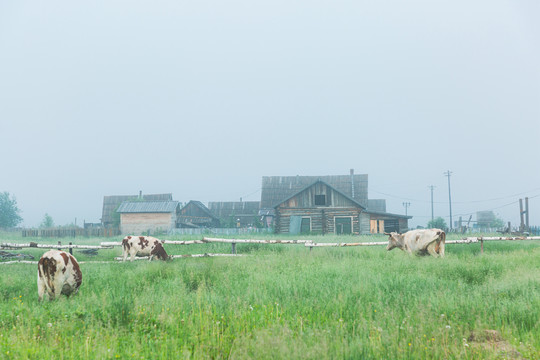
[
  {"x": 307, "y": 243},
  {"x": 70, "y": 232}
]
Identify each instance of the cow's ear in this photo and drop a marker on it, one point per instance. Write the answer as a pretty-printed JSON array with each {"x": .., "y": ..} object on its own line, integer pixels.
[{"x": 387, "y": 234}]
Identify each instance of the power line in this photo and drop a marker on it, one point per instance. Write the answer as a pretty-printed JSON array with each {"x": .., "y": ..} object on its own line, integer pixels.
[
  {"x": 456, "y": 202},
  {"x": 472, "y": 213},
  {"x": 406, "y": 204}
]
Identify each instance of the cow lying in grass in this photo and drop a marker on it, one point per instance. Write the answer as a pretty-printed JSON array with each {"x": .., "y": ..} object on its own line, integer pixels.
[
  {"x": 419, "y": 242},
  {"x": 58, "y": 273},
  {"x": 144, "y": 246}
]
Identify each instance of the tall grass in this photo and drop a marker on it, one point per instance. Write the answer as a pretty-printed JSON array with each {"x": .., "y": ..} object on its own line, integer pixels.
[{"x": 283, "y": 302}]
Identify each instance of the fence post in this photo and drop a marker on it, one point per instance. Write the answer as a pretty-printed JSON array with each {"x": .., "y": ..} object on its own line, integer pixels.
[
  {"x": 233, "y": 248},
  {"x": 481, "y": 245},
  {"x": 59, "y": 245},
  {"x": 70, "y": 248}
]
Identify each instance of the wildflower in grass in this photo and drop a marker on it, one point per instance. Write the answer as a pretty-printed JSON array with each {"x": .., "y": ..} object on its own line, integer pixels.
[{"x": 448, "y": 326}]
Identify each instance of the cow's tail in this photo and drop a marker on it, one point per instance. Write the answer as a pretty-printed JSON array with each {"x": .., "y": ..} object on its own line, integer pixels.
[
  {"x": 440, "y": 243},
  {"x": 47, "y": 269},
  {"x": 125, "y": 247}
]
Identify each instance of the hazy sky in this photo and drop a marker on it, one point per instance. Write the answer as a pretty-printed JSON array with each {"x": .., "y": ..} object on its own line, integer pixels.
[{"x": 203, "y": 98}]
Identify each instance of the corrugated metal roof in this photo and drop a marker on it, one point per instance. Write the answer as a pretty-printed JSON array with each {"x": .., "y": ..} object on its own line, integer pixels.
[{"x": 148, "y": 207}]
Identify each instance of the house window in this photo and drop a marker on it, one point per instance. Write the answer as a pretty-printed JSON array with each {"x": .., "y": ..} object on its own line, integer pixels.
[{"x": 320, "y": 200}]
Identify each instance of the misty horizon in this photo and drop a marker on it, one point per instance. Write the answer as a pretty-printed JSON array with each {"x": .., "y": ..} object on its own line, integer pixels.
[{"x": 202, "y": 100}]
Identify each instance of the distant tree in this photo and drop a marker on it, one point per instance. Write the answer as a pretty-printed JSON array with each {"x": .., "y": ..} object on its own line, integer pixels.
[
  {"x": 47, "y": 221},
  {"x": 497, "y": 223},
  {"x": 437, "y": 223},
  {"x": 9, "y": 212}
]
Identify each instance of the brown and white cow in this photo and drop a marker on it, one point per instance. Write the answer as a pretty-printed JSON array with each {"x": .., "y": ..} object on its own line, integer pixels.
[
  {"x": 145, "y": 246},
  {"x": 419, "y": 242},
  {"x": 58, "y": 273}
]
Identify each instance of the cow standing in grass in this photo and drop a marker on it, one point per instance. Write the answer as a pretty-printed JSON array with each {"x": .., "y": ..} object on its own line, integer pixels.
[
  {"x": 419, "y": 242},
  {"x": 144, "y": 246},
  {"x": 58, "y": 273}
]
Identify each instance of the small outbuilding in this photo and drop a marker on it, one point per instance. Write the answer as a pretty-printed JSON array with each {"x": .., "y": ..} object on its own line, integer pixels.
[
  {"x": 109, "y": 216},
  {"x": 138, "y": 217}
]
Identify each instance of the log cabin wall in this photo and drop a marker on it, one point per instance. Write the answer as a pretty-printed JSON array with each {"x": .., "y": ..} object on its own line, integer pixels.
[{"x": 322, "y": 205}]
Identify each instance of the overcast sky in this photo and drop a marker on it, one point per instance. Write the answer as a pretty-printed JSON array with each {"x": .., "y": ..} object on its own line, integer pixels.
[{"x": 202, "y": 98}]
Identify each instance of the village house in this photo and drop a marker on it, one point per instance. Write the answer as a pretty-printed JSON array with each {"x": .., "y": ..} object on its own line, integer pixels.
[
  {"x": 326, "y": 205},
  {"x": 111, "y": 219},
  {"x": 236, "y": 213},
  {"x": 196, "y": 215}
]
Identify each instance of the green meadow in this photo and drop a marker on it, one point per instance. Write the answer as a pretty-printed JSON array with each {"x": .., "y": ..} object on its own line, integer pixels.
[{"x": 282, "y": 302}]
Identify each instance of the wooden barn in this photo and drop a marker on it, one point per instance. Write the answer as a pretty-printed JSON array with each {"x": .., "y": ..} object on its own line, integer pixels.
[
  {"x": 236, "y": 213},
  {"x": 196, "y": 215},
  {"x": 138, "y": 217},
  {"x": 111, "y": 219},
  {"x": 326, "y": 205}
]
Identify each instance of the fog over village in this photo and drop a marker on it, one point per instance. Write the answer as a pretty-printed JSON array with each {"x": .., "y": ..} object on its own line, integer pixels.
[{"x": 204, "y": 99}]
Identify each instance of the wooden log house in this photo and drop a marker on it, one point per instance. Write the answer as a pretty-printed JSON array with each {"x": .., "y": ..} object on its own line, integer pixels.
[{"x": 326, "y": 205}]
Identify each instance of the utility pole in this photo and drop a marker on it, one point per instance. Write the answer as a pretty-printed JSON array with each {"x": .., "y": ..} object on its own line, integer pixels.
[
  {"x": 431, "y": 187},
  {"x": 406, "y": 204},
  {"x": 448, "y": 173}
]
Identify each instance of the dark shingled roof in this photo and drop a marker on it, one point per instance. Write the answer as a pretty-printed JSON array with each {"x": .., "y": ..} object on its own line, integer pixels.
[{"x": 201, "y": 206}]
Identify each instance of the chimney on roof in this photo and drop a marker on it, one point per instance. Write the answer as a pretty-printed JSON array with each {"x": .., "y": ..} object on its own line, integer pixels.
[
  {"x": 352, "y": 183},
  {"x": 140, "y": 194}
]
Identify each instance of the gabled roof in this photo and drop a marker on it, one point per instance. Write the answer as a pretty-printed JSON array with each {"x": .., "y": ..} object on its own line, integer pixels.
[
  {"x": 276, "y": 188},
  {"x": 325, "y": 183},
  {"x": 147, "y": 207},
  {"x": 201, "y": 206}
]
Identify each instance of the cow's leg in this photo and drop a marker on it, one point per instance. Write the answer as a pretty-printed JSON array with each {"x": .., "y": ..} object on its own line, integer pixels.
[
  {"x": 125, "y": 254},
  {"x": 432, "y": 249},
  {"x": 132, "y": 253},
  {"x": 41, "y": 289},
  {"x": 57, "y": 291}
]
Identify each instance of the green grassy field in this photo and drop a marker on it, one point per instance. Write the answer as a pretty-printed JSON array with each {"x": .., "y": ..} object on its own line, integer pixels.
[{"x": 283, "y": 302}]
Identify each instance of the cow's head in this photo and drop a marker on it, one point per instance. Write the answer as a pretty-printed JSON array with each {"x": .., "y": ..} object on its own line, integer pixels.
[
  {"x": 159, "y": 252},
  {"x": 395, "y": 240}
]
